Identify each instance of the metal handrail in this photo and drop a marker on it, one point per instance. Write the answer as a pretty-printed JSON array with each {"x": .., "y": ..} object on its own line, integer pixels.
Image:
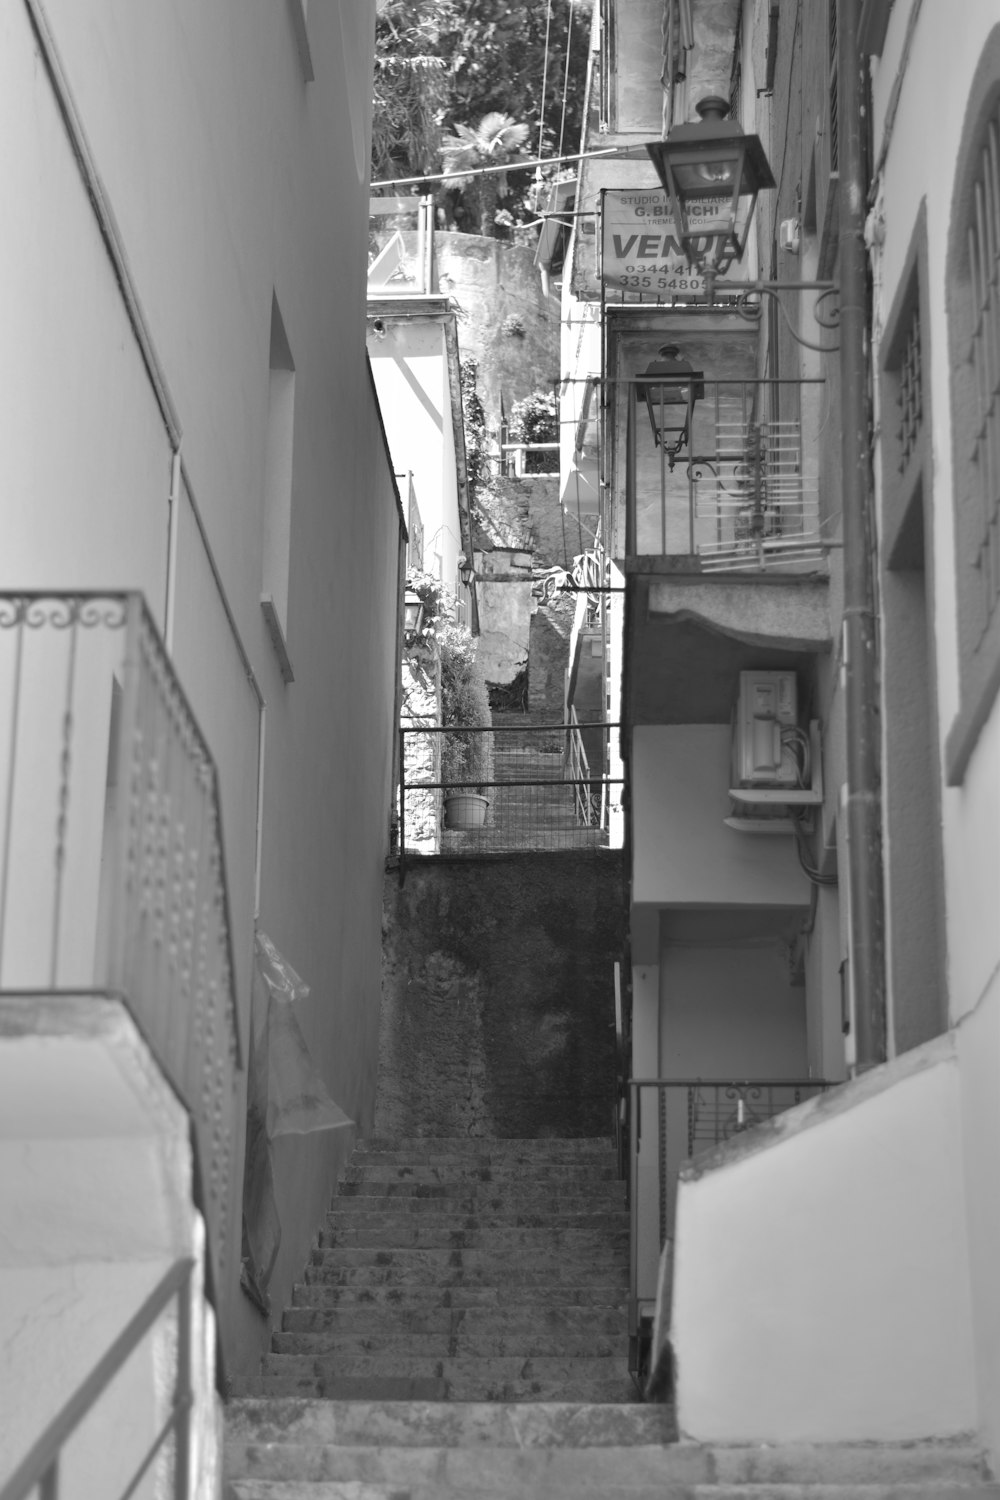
[
  {"x": 40, "y": 1466},
  {"x": 633, "y": 1131}
]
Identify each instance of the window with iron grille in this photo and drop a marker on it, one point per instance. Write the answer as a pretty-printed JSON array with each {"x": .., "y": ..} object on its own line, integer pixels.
[
  {"x": 834, "y": 91},
  {"x": 974, "y": 334}
]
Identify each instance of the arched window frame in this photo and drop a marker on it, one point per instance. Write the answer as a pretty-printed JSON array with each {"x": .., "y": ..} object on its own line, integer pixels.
[{"x": 973, "y": 283}]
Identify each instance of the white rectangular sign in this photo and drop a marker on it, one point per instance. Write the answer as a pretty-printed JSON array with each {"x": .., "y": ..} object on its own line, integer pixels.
[{"x": 639, "y": 250}]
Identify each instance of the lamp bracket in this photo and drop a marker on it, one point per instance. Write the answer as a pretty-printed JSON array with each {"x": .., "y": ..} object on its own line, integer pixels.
[{"x": 825, "y": 317}]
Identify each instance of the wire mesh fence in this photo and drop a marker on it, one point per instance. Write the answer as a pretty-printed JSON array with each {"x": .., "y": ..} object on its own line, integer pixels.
[{"x": 507, "y": 788}]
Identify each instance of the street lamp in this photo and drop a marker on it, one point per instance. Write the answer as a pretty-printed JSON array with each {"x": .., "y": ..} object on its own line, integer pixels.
[
  {"x": 413, "y": 616},
  {"x": 711, "y": 172},
  {"x": 671, "y": 387}
]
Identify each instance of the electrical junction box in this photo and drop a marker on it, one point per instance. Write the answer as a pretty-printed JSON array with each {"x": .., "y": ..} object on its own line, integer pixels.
[
  {"x": 764, "y": 752},
  {"x": 790, "y": 235}
]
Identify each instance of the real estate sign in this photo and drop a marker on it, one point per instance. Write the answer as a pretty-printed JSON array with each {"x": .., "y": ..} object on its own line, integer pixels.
[{"x": 639, "y": 252}]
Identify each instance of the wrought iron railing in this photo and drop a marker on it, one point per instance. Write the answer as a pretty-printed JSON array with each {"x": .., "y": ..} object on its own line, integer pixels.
[
  {"x": 720, "y": 475},
  {"x": 506, "y": 789},
  {"x": 38, "y": 1473},
  {"x": 669, "y": 1121},
  {"x": 112, "y": 872}
]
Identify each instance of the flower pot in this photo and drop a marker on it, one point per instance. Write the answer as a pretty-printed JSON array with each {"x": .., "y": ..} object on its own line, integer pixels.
[{"x": 465, "y": 810}]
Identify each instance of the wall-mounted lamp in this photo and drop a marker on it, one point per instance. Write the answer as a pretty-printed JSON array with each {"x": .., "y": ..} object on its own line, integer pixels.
[
  {"x": 671, "y": 387},
  {"x": 466, "y": 571},
  {"x": 711, "y": 172},
  {"x": 413, "y": 616}
]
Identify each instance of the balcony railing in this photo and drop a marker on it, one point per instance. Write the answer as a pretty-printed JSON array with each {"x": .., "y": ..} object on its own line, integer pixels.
[
  {"x": 739, "y": 493},
  {"x": 534, "y": 788},
  {"x": 112, "y": 873},
  {"x": 668, "y": 1122}
]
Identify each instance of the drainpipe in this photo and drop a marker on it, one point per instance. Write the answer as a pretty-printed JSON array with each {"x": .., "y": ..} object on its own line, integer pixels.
[{"x": 866, "y": 955}]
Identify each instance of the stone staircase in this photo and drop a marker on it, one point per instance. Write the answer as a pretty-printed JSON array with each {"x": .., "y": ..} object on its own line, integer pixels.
[
  {"x": 460, "y": 1332},
  {"x": 408, "y": 1294}
]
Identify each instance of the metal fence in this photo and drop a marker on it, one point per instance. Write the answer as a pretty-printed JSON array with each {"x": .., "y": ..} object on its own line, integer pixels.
[
  {"x": 668, "y": 1122},
  {"x": 112, "y": 873},
  {"x": 505, "y": 789}
]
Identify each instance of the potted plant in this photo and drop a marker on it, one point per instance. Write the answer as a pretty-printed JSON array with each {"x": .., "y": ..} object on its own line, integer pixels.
[{"x": 466, "y": 752}]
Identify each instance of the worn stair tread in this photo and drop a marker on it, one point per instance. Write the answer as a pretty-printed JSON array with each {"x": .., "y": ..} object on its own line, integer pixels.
[
  {"x": 526, "y": 1343},
  {"x": 556, "y": 1174},
  {"x": 469, "y": 1469},
  {"x": 538, "y": 1487},
  {"x": 530, "y": 1239},
  {"x": 320, "y": 1293},
  {"x": 544, "y": 1207},
  {"x": 435, "y": 1319},
  {"x": 495, "y": 1255},
  {"x": 520, "y": 1191},
  {"x": 466, "y": 1144},
  {"x": 402, "y": 1275},
  {"x": 478, "y": 1424}
]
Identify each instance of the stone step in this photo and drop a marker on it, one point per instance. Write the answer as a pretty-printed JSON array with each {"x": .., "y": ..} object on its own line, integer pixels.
[
  {"x": 486, "y": 1149},
  {"x": 544, "y": 1207},
  {"x": 520, "y": 1194},
  {"x": 364, "y": 1217},
  {"x": 403, "y": 1274},
  {"x": 558, "y": 1175},
  {"x": 501, "y": 1378},
  {"x": 502, "y": 1239},
  {"x": 427, "y": 1424},
  {"x": 522, "y": 1343},
  {"x": 322, "y": 1293},
  {"x": 434, "y": 1248},
  {"x": 382, "y": 1320},
  {"x": 410, "y": 1277},
  {"x": 547, "y": 1449}
]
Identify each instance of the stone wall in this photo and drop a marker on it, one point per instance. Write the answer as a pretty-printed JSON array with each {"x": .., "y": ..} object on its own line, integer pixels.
[
  {"x": 548, "y": 657},
  {"x": 498, "y": 996}
]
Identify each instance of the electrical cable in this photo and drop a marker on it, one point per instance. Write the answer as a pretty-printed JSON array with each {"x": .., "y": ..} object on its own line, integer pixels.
[
  {"x": 569, "y": 45},
  {"x": 545, "y": 75}
]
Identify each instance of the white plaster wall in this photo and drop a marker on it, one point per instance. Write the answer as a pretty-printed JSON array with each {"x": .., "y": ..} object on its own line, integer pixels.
[
  {"x": 86, "y": 458},
  {"x": 821, "y": 1285},
  {"x": 95, "y": 1178},
  {"x": 410, "y": 366},
  {"x": 231, "y": 181},
  {"x": 921, "y": 163},
  {"x": 683, "y": 854}
]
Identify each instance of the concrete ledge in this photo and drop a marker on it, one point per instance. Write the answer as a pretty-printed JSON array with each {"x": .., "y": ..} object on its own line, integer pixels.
[{"x": 790, "y": 611}]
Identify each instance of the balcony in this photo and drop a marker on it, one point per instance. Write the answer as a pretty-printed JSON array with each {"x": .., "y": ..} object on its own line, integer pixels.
[
  {"x": 715, "y": 474},
  {"x": 112, "y": 874}
]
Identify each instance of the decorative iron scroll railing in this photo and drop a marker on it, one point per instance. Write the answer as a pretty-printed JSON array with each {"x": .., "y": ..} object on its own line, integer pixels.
[
  {"x": 668, "y": 1122},
  {"x": 112, "y": 872},
  {"x": 506, "y": 789},
  {"x": 738, "y": 492}
]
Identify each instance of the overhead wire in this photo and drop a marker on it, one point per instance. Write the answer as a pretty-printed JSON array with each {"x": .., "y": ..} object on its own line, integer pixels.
[{"x": 569, "y": 47}]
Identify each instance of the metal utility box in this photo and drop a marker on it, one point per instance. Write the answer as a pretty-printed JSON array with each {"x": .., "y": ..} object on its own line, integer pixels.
[{"x": 763, "y": 748}]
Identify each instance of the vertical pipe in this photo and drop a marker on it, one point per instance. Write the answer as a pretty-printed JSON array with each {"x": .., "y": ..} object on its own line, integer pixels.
[
  {"x": 865, "y": 893},
  {"x": 635, "y": 1136},
  {"x": 173, "y": 522},
  {"x": 182, "y": 1393}
]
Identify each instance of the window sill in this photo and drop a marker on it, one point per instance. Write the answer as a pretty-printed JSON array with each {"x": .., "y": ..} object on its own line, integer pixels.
[{"x": 277, "y": 635}]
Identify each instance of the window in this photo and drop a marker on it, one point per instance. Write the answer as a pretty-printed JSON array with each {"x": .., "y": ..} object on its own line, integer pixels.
[
  {"x": 974, "y": 333},
  {"x": 278, "y": 489},
  {"x": 914, "y": 857}
]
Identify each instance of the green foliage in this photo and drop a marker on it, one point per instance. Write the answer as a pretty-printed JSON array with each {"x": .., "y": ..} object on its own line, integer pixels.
[
  {"x": 438, "y": 601},
  {"x": 536, "y": 420},
  {"x": 443, "y": 64},
  {"x": 496, "y": 139},
  {"x": 466, "y": 756},
  {"x": 474, "y": 413}
]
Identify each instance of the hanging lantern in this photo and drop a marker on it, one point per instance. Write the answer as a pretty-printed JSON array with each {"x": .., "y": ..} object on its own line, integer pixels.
[
  {"x": 671, "y": 387},
  {"x": 711, "y": 172}
]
